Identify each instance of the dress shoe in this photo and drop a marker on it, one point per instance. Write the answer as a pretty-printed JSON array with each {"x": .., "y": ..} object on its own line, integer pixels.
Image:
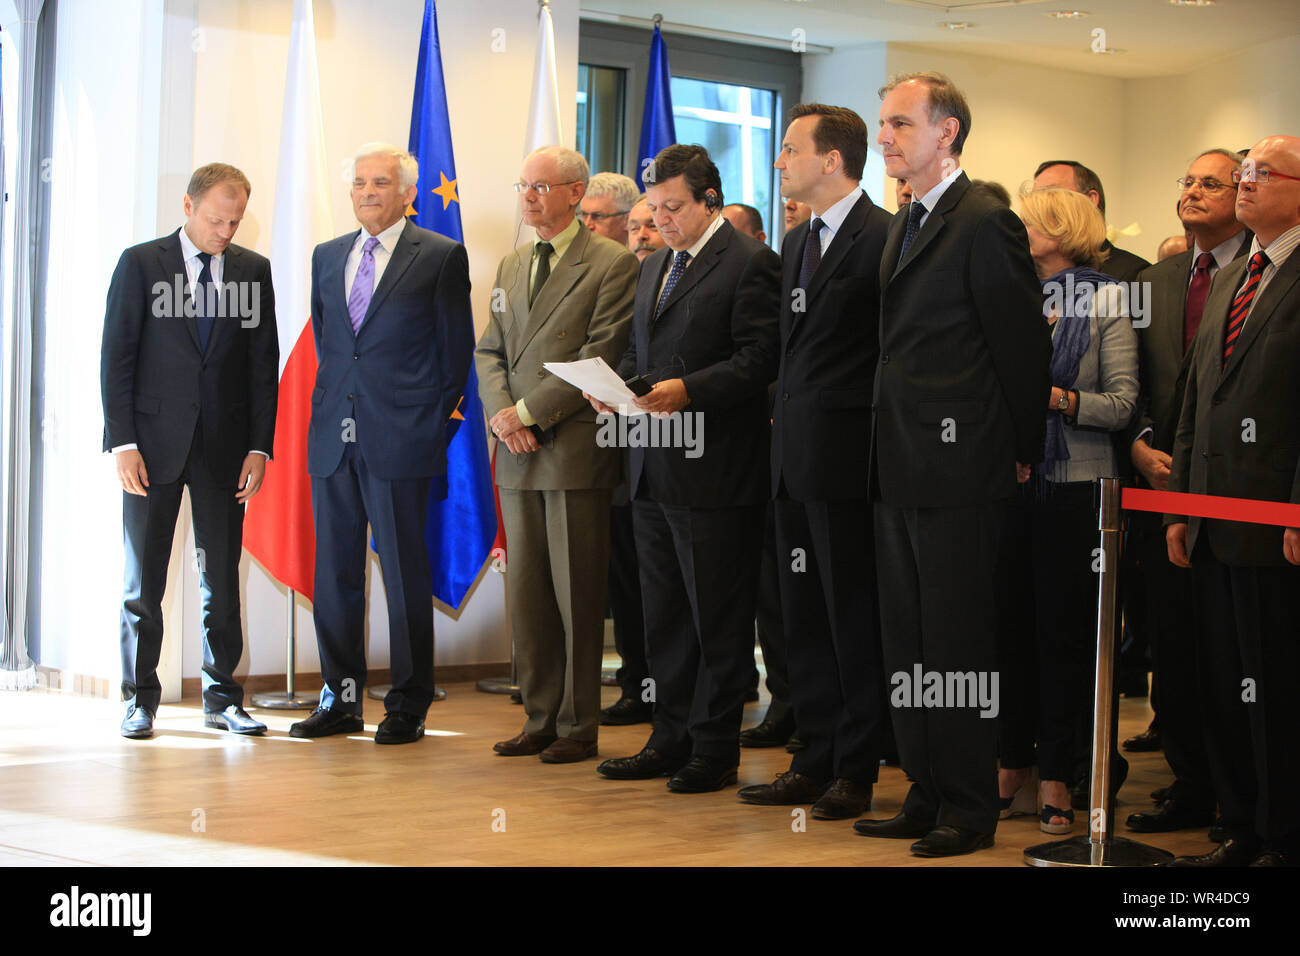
[
  {"x": 643, "y": 766},
  {"x": 1274, "y": 857},
  {"x": 1161, "y": 794},
  {"x": 138, "y": 723},
  {"x": 326, "y": 721},
  {"x": 703, "y": 775},
  {"x": 843, "y": 801},
  {"x": 787, "y": 790},
  {"x": 770, "y": 732},
  {"x": 1231, "y": 852},
  {"x": 568, "y": 750},
  {"x": 399, "y": 727},
  {"x": 897, "y": 827},
  {"x": 626, "y": 710},
  {"x": 235, "y": 720},
  {"x": 524, "y": 745},
  {"x": 951, "y": 841},
  {"x": 1146, "y": 742},
  {"x": 1217, "y": 834},
  {"x": 1170, "y": 815},
  {"x": 794, "y": 744}
]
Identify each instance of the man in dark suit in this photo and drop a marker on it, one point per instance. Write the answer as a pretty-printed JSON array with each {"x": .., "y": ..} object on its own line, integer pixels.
[
  {"x": 188, "y": 376},
  {"x": 1175, "y": 305},
  {"x": 1239, "y": 436},
  {"x": 394, "y": 338},
  {"x": 704, "y": 330},
  {"x": 958, "y": 404},
  {"x": 830, "y": 298},
  {"x": 1068, "y": 174}
]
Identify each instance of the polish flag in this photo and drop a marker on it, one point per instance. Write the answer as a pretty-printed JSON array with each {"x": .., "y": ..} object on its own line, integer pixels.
[{"x": 277, "y": 523}]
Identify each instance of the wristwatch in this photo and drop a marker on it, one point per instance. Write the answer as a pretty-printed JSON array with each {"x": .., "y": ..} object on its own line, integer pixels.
[{"x": 1063, "y": 402}]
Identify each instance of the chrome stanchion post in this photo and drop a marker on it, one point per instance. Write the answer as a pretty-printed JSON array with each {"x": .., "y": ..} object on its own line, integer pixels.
[
  {"x": 289, "y": 700},
  {"x": 1100, "y": 847}
]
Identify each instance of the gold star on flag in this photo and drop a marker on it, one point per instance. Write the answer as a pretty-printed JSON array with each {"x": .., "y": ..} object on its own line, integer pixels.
[{"x": 447, "y": 190}]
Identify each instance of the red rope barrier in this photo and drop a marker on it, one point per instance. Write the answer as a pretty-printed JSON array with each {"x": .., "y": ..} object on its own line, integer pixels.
[{"x": 1279, "y": 513}]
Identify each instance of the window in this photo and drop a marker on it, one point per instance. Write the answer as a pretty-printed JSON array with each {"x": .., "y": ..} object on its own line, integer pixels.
[
  {"x": 601, "y": 114},
  {"x": 734, "y": 123}
]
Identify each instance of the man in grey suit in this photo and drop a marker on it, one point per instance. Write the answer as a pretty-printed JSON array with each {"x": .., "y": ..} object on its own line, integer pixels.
[
  {"x": 1239, "y": 437},
  {"x": 1175, "y": 304},
  {"x": 563, "y": 297}
]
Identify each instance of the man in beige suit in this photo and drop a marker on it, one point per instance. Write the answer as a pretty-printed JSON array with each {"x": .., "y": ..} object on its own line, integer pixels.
[{"x": 563, "y": 297}]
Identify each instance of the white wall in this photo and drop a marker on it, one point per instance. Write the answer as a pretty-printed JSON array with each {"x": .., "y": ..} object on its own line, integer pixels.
[
  {"x": 116, "y": 107},
  {"x": 850, "y": 77}
]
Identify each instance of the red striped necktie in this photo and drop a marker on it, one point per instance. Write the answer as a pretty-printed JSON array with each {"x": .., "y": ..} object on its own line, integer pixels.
[{"x": 1241, "y": 304}]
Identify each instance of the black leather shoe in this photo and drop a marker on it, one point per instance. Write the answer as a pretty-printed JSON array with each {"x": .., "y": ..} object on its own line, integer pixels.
[
  {"x": 138, "y": 723},
  {"x": 770, "y": 732},
  {"x": 787, "y": 790},
  {"x": 1161, "y": 794},
  {"x": 843, "y": 801},
  {"x": 234, "y": 719},
  {"x": 896, "y": 827},
  {"x": 703, "y": 775},
  {"x": 1231, "y": 852},
  {"x": 1217, "y": 834},
  {"x": 399, "y": 727},
  {"x": 626, "y": 710},
  {"x": 1146, "y": 742},
  {"x": 1169, "y": 816},
  {"x": 951, "y": 841},
  {"x": 647, "y": 764},
  {"x": 326, "y": 721},
  {"x": 1274, "y": 857}
]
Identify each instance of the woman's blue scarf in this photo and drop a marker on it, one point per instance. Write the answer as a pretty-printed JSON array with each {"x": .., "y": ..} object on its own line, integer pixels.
[{"x": 1069, "y": 344}]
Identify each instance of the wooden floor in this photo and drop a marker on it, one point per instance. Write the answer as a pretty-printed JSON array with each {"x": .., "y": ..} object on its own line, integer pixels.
[{"x": 72, "y": 791}]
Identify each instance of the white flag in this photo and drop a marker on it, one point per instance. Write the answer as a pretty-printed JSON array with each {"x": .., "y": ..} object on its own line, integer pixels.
[
  {"x": 302, "y": 207},
  {"x": 544, "y": 111}
]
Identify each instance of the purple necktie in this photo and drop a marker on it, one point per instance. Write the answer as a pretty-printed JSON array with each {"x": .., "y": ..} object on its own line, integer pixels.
[{"x": 363, "y": 286}]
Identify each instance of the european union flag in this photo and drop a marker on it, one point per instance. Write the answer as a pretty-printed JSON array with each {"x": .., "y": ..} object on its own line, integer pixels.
[
  {"x": 657, "y": 129},
  {"x": 462, "y": 526}
]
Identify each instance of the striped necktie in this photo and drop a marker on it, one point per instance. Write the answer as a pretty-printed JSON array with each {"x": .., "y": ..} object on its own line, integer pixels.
[{"x": 1241, "y": 304}]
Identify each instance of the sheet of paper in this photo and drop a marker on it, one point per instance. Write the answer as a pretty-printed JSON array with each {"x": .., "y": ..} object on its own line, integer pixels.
[{"x": 596, "y": 378}]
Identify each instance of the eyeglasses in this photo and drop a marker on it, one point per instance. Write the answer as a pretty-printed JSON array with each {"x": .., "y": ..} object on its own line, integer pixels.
[
  {"x": 1260, "y": 176},
  {"x": 598, "y": 216},
  {"x": 540, "y": 188},
  {"x": 1210, "y": 186}
]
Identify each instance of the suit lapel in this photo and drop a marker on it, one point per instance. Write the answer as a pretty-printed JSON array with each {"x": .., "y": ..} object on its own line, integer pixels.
[
  {"x": 171, "y": 260},
  {"x": 335, "y": 273},
  {"x": 1278, "y": 288},
  {"x": 934, "y": 221},
  {"x": 893, "y": 243},
  {"x": 232, "y": 271},
  {"x": 572, "y": 266},
  {"x": 838, "y": 249},
  {"x": 708, "y": 258},
  {"x": 1175, "y": 294}
]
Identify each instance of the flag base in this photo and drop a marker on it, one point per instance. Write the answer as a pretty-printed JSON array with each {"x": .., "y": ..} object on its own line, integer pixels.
[{"x": 285, "y": 700}]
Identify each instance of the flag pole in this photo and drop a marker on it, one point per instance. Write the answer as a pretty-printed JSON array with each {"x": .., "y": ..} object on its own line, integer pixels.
[{"x": 288, "y": 700}]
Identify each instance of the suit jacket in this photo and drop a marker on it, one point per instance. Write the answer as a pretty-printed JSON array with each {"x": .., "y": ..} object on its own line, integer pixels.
[
  {"x": 1120, "y": 263},
  {"x": 718, "y": 332},
  {"x": 1259, "y": 383},
  {"x": 392, "y": 386},
  {"x": 157, "y": 386},
  {"x": 964, "y": 355},
  {"x": 1162, "y": 363},
  {"x": 828, "y": 360},
  {"x": 583, "y": 311}
]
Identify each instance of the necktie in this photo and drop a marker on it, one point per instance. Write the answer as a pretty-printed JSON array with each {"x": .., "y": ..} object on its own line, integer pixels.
[
  {"x": 1196, "y": 293},
  {"x": 812, "y": 253},
  {"x": 363, "y": 286},
  {"x": 544, "y": 250},
  {"x": 679, "y": 266},
  {"x": 914, "y": 213},
  {"x": 201, "y": 300},
  {"x": 1241, "y": 304}
]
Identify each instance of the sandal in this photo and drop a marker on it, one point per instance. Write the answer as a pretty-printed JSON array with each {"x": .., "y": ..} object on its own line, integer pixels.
[
  {"x": 1022, "y": 803},
  {"x": 1045, "y": 821}
]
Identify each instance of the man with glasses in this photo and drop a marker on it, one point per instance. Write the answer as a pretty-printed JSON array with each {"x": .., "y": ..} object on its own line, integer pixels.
[
  {"x": 1239, "y": 436},
  {"x": 606, "y": 203},
  {"x": 563, "y": 297},
  {"x": 1178, "y": 288}
]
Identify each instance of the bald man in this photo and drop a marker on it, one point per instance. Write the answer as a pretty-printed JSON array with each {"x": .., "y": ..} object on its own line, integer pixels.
[{"x": 1239, "y": 436}]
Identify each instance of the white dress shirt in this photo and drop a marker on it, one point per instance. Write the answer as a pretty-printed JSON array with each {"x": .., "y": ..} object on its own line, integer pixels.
[
  {"x": 931, "y": 199},
  {"x": 694, "y": 250},
  {"x": 833, "y": 218},
  {"x": 382, "y": 253}
]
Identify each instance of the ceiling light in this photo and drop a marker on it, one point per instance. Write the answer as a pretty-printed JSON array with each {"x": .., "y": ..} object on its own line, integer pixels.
[
  {"x": 1068, "y": 14},
  {"x": 957, "y": 24},
  {"x": 1192, "y": 3},
  {"x": 1110, "y": 50}
]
